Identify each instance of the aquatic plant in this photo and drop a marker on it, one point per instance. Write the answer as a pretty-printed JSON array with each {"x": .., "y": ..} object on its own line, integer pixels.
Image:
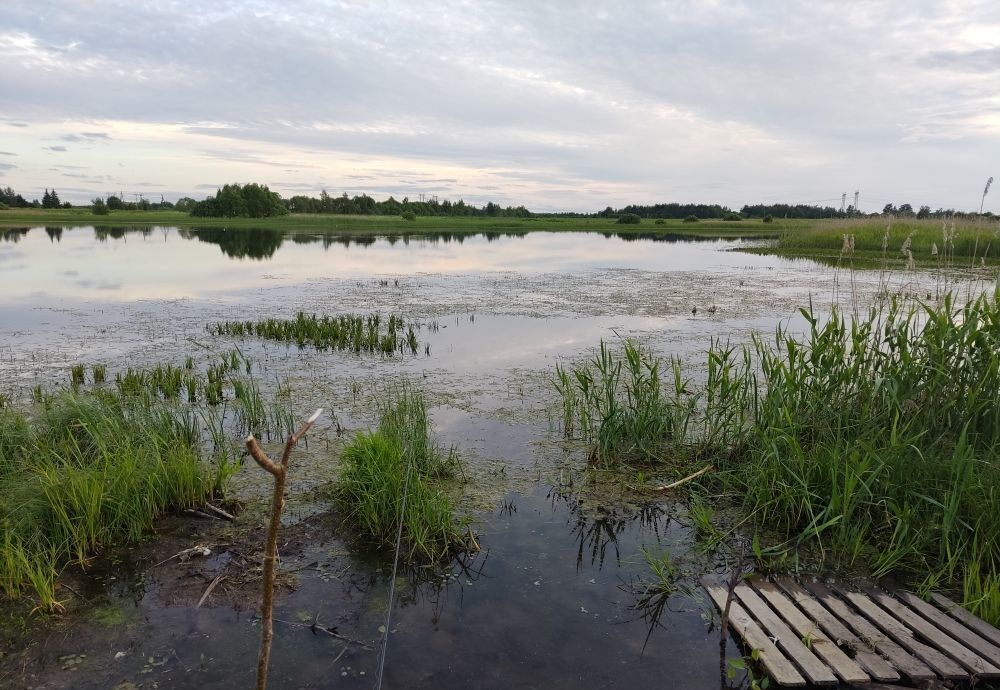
[
  {"x": 90, "y": 470},
  {"x": 388, "y": 476},
  {"x": 78, "y": 374},
  {"x": 870, "y": 440},
  {"x": 371, "y": 334}
]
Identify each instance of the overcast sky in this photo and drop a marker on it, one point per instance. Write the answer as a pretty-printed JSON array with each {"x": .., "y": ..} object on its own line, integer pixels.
[{"x": 559, "y": 106}]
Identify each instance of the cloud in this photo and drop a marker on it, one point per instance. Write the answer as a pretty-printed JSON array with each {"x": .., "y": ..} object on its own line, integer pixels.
[
  {"x": 557, "y": 105},
  {"x": 59, "y": 149},
  {"x": 7, "y": 153},
  {"x": 7, "y": 166}
]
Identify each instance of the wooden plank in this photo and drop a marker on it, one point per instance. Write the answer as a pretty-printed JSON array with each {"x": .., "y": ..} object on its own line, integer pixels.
[
  {"x": 973, "y": 662},
  {"x": 774, "y": 662},
  {"x": 812, "y": 667},
  {"x": 908, "y": 665},
  {"x": 956, "y": 611},
  {"x": 845, "y": 667},
  {"x": 951, "y": 626},
  {"x": 942, "y": 665},
  {"x": 877, "y": 667}
]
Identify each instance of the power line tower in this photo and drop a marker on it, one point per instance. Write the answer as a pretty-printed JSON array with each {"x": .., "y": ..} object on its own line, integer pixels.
[
  {"x": 843, "y": 202},
  {"x": 857, "y": 192}
]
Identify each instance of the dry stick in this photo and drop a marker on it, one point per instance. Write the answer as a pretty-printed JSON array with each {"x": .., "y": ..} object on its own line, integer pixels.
[
  {"x": 208, "y": 590},
  {"x": 690, "y": 477},
  {"x": 280, "y": 473}
]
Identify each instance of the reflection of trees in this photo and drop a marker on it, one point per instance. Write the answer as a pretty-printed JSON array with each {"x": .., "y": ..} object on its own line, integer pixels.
[
  {"x": 105, "y": 232},
  {"x": 55, "y": 234},
  {"x": 243, "y": 243},
  {"x": 13, "y": 234}
]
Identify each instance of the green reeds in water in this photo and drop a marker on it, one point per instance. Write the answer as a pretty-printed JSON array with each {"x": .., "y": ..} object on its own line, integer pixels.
[
  {"x": 78, "y": 374},
  {"x": 90, "y": 470},
  {"x": 400, "y": 458},
  {"x": 869, "y": 442},
  {"x": 370, "y": 334},
  {"x": 100, "y": 373},
  {"x": 617, "y": 402}
]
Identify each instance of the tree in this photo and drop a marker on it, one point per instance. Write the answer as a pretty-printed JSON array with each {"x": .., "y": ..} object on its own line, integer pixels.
[
  {"x": 115, "y": 203},
  {"x": 98, "y": 207},
  {"x": 889, "y": 209},
  {"x": 924, "y": 212}
]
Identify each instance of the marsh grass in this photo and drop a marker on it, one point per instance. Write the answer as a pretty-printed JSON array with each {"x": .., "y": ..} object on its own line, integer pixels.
[
  {"x": 969, "y": 243},
  {"x": 90, "y": 470},
  {"x": 371, "y": 334},
  {"x": 869, "y": 442},
  {"x": 617, "y": 402},
  {"x": 400, "y": 458}
]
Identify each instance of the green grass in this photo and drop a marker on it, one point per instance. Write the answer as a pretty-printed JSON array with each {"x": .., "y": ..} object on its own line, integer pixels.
[
  {"x": 880, "y": 242},
  {"x": 89, "y": 470},
  {"x": 870, "y": 442},
  {"x": 352, "y": 332},
  {"x": 374, "y": 481}
]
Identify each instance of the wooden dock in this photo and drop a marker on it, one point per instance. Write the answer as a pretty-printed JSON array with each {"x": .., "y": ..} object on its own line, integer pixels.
[{"x": 812, "y": 633}]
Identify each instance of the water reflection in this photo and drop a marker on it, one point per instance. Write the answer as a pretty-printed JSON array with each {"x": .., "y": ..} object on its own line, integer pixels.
[{"x": 263, "y": 243}]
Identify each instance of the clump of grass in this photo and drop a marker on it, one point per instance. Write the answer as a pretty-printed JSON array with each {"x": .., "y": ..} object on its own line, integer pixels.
[
  {"x": 78, "y": 374},
  {"x": 100, "y": 373},
  {"x": 400, "y": 459},
  {"x": 617, "y": 403},
  {"x": 88, "y": 471},
  {"x": 371, "y": 334},
  {"x": 869, "y": 441}
]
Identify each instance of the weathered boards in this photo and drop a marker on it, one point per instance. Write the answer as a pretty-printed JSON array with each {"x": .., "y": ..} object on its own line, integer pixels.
[{"x": 828, "y": 634}]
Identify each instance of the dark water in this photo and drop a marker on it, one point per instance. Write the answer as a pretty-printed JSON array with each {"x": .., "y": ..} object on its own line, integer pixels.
[
  {"x": 548, "y": 603},
  {"x": 550, "y": 600}
]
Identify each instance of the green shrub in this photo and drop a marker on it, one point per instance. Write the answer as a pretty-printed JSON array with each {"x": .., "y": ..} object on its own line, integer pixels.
[
  {"x": 768, "y": 218},
  {"x": 691, "y": 219},
  {"x": 99, "y": 208},
  {"x": 629, "y": 219},
  {"x": 660, "y": 221},
  {"x": 732, "y": 217},
  {"x": 409, "y": 215}
]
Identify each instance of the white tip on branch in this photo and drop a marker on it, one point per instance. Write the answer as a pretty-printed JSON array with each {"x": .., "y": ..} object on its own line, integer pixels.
[{"x": 315, "y": 416}]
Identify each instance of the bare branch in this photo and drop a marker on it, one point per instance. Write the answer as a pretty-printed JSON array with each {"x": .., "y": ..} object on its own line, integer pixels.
[{"x": 258, "y": 454}]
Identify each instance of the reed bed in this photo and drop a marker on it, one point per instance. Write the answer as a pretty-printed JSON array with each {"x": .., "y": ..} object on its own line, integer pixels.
[
  {"x": 401, "y": 459},
  {"x": 89, "y": 470},
  {"x": 870, "y": 442},
  {"x": 369, "y": 334}
]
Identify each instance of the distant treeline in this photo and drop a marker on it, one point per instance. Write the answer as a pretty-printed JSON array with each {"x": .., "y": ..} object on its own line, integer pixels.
[{"x": 257, "y": 201}]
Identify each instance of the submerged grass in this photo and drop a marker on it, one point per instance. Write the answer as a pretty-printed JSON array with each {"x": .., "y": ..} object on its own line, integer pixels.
[
  {"x": 871, "y": 441},
  {"x": 401, "y": 459},
  {"x": 357, "y": 333},
  {"x": 89, "y": 470}
]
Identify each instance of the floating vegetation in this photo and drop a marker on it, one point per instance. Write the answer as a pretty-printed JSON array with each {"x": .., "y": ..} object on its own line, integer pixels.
[
  {"x": 371, "y": 334},
  {"x": 401, "y": 459}
]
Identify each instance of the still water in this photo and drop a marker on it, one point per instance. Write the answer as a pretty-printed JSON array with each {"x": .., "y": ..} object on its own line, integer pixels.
[{"x": 552, "y": 599}]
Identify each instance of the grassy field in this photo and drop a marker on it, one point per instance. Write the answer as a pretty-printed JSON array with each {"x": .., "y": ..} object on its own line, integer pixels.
[
  {"x": 891, "y": 242},
  {"x": 379, "y": 225}
]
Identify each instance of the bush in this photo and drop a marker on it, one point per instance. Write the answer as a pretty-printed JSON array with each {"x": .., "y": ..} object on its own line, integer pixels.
[
  {"x": 629, "y": 219},
  {"x": 3, "y": 206},
  {"x": 691, "y": 219},
  {"x": 732, "y": 217},
  {"x": 768, "y": 218},
  {"x": 660, "y": 221},
  {"x": 99, "y": 208},
  {"x": 409, "y": 215}
]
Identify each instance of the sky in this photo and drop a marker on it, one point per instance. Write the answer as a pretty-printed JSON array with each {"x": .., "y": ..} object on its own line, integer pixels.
[{"x": 570, "y": 106}]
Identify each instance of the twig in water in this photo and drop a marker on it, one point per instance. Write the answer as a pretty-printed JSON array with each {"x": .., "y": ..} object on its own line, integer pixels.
[
  {"x": 208, "y": 590},
  {"x": 280, "y": 472}
]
